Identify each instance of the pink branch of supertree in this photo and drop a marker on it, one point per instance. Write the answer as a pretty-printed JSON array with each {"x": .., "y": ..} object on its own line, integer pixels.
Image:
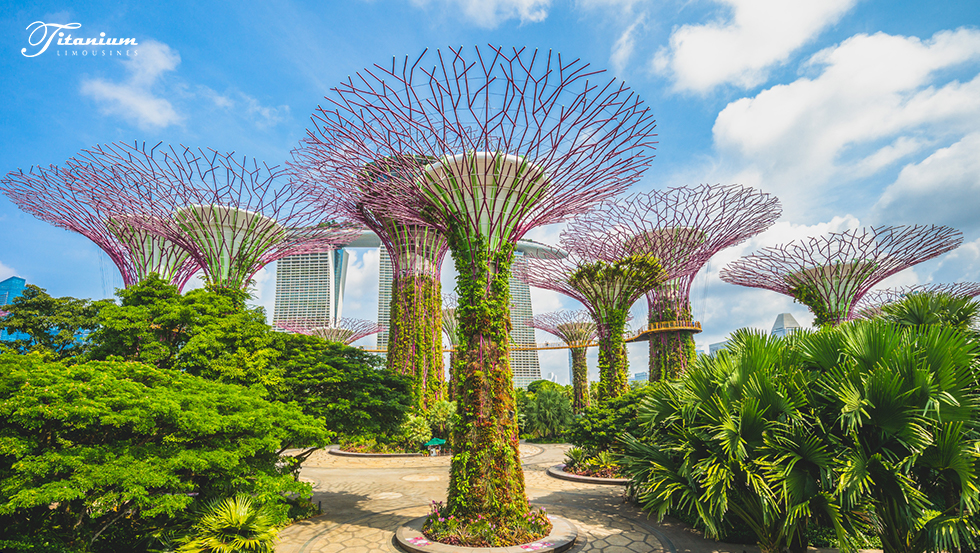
[
  {"x": 69, "y": 197},
  {"x": 842, "y": 266},
  {"x": 872, "y": 302},
  {"x": 559, "y": 139},
  {"x": 572, "y": 327},
  {"x": 192, "y": 197},
  {"x": 346, "y": 331}
]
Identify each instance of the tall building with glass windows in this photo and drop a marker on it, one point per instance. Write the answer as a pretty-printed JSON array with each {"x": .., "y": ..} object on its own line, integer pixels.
[
  {"x": 9, "y": 289},
  {"x": 523, "y": 363},
  {"x": 386, "y": 275},
  {"x": 310, "y": 287}
]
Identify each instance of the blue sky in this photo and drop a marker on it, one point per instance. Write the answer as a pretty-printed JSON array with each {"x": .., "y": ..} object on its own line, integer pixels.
[{"x": 851, "y": 112}]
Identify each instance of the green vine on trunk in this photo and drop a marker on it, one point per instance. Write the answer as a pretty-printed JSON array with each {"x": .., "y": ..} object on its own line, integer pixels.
[
  {"x": 671, "y": 352},
  {"x": 808, "y": 295},
  {"x": 611, "y": 288},
  {"x": 486, "y": 477},
  {"x": 415, "y": 343},
  {"x": 580, "y": 381}
]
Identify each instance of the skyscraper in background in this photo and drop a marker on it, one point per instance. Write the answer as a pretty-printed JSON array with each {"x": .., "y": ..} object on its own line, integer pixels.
[
  {"x": 310, "y": 287},
  {"x": 386, "y": 274},
  {"x": 523, "y": 363}
]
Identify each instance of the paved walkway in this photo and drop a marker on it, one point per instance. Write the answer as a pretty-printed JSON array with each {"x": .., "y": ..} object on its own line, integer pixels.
[{"x": 365, "y": 499}]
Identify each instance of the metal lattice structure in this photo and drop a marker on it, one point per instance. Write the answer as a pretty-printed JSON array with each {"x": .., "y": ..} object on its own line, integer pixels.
[
  {"x": 512, "y": 139},
  {"x": 346, "y": 331},
  {"x": 683, "y": 228},
  {"x": 231, "y": 214},
  {"x": 870, "y": 305},
  {"x": 69, "y": 197},
  {"x": 578, "y": 331},
  {"x": 830, "y": 274}
]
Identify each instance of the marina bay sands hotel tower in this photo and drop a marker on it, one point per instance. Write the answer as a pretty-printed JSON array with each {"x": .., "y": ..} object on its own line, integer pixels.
[{"x": 311, "y": 287}]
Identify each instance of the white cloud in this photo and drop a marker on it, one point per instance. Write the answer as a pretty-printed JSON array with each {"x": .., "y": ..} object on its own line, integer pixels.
[
  {"x": 237, "y": 101},
  {"x": 944, "y": 187},
  {"x": 741, "y": 48},
  {"x": 873, "y": 101},
  {"x": 623, "y": 48},
  {"x": 491, "y": 13},
  {"x": 6, "y": 272},
  {"x": 134, "y": 99},
  {"x": 961, "y": 264}
]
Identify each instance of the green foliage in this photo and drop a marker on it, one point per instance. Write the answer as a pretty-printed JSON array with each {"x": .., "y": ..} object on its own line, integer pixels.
[
  {"x": 480, "y": 531},
  {"x": 211, "y": 333},
  {"x": 808, "y": 295},
  {"x": 486, "y": 477},
  {"x": 231, "y": 525},
  {"x": 962, "y": 313},
  {"x": 548, "y": 412},
  {"x": 576, "y": 457},
  {"x": 441, "y": 416},
  {"x": 612, "y": 288},
  {"x": 56, "y": 327},
  {"x": 344, "y": 386},
  {"x": 865, "y": 424},
  {"x": 89, "y": 448},
  {"x": 415, "y": 336},
  {"x": 415, "y": 431},
  {"x": 599, "y": 427}
]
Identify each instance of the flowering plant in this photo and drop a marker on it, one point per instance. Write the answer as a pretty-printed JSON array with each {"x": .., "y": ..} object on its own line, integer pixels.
[{"x": 484, "y": 532}]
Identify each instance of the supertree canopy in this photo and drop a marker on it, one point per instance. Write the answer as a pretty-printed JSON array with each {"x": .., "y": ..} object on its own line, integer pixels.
[
  {"x": 578, "y": 331},
  {"x": 346, "y": 330},
  {"x": 517, "y": 139},
  {"x": 416, "y": 251},
  {"x": 870, "y": 305},
  {"x": 607, "y": 288},
  {"x": 683, "y": 228},
  {"x": 232, "y": 215},
  {"x": 830, "y": 274},
  {"x": 69, "y": 197}
]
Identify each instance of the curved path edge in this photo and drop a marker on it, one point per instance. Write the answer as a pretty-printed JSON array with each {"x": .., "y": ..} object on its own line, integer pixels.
[
  {"x": 557, "y": 471},
  {"x": 343, "y": 453},
  {"x": 563, "y": 534}
]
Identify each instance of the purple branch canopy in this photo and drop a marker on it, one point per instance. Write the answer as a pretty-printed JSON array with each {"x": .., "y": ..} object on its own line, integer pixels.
[
  {"x": 572, "y": 327},
  {"x": 346, "y": 331},
  {"x": 232, "y": 215},
  {"x": 830, "y": 274},
  {"x": 512, "y": 140},
  {"x": 68, "y": 197}
]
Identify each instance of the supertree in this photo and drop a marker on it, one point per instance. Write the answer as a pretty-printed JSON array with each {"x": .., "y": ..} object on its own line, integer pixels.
[
  {"x": 830, "y": 274},
  {"x": 518, "y": 139},
  {"x": 607, "y": 287},
  {"x": 578, "y": 331},
  {"x": 231, "y": 214},
  {"x": 346, "y": 330},
  {"x": 68, "y": 197},
  {"x": 416, "y": 252},
  {"x": 682, "y": 227},
  {"x": 870, "y": 305}
]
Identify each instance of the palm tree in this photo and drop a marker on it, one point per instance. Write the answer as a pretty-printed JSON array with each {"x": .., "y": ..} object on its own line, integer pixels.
[
  {"x": 549, "y": 412},
  {"x": 231, "y": 525},
  {"x": 903, "y": 405},
  {"x": 921, "y": 308},
  {"x": 733, "y": 439}
]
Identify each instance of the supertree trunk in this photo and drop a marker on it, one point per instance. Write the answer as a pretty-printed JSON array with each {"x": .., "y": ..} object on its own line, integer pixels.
[
  {"x": 671, "y": 351},
  {"x": 486, "y": 476},
  {"x": 580, "y": 380},
  {"x": 415, "y": 338},
  {"x": 613, "y": 361}
]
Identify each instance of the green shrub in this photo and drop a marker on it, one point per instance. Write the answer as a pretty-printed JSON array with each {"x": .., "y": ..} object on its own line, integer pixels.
[{"x": 600, "y": 426}]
